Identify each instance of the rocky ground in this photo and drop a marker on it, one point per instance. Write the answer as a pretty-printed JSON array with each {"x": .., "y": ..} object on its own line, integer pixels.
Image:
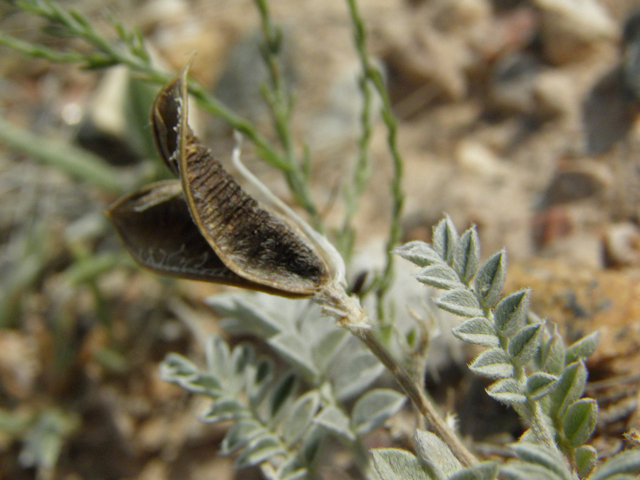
[{"x": 519, "y": 116}]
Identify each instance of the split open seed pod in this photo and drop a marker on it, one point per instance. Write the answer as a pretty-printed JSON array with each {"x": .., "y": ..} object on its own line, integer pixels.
[{"x": 206, "y": 227}]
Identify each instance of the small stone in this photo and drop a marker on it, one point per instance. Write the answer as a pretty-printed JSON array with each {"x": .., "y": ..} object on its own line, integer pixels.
[
  {"x": 479, "y": 160},
  {"x": 608, "y": 112},
  {"x": 571, "y": 29},
  {"x": 622, "y": 244},
  {"x": 513, "y": 80},
  {"x": 630, "y": 71},
  {"x": 585, "y": 179}
]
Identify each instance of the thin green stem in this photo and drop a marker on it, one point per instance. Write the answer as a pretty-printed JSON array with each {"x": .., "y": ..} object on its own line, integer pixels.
[
  {"x": 129, "y": 51},
  {"x": 280, "y": 102},
  {"x": 350, "y": 314},
  {"x": 361, "y": 172},
  {"x": 362, "y": 168},
  {"x": 74, "y": 161},
  {"x": 40, "y": 51},
  {"x": 374, "y": 75},
  {"x": 209, "y": 104},
  {"x": 434, "y": 421}
]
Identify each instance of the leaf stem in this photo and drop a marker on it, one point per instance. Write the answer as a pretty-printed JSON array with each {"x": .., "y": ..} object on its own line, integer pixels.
[
  {"x": 129, "y": 50},
  {"x": 74, "y": 161},
  {"x": 434, "y": 421},
  {"x": 350, "y": 315}
]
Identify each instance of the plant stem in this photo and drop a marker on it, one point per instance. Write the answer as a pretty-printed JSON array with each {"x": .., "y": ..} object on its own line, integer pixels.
[
  {"x": 531, "y": 410},
  {"x": 414, "y": 392},
  {"x": 74, "y": 161},
  {"x": 350, "y": 315},
  {"x": 373, "y": 75},
  {"x": 129, "y": 51},
  {"x": 353, "y": 190},
  {"x": 280, "y": 103}
]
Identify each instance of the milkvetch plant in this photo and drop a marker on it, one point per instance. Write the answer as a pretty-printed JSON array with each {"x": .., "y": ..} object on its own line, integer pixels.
[
  {"x": 204, "y": 226},
  {"x": 533, "y": 371}
]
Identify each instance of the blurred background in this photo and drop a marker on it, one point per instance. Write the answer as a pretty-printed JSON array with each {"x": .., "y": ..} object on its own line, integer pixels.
[{"x": 519, "y": 116}]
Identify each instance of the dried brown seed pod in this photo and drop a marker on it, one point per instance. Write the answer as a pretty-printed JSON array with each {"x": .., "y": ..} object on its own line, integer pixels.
[{"x": 206, "y": 227}]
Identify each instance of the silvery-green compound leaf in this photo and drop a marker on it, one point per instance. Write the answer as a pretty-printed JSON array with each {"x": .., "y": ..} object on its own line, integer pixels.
[
  {"x": 374, "y": 408},
  {"x": 551, "y": 355},
  {"x": 540, "y": 384},
  {"x": 302, "y": 334},
  {"x": 281, "y": 395},
  {"x": 507, "y": 391},
  {"x": 478, "y": 331},
  {"x": 580, "y": 421},
  {"x": 291, "y": 470},
  {"x": 224, "y": 409},
  {"x": 582, "y": 349},
  {"x": 177, "y": 369},
  {"x": 545, "y": 457},
  {"x": 570, "y": 388},
  {"x": 441, "y": 276},
  {"x": 325, "y": 350},
  {"x": 511, "y": 313},
  {"x": 260, "y": 449},
  {"x": 627, "y": 462},
  {"x": 298, "y": 353},
  {"x": 490, "y": 279},
  {"x": 335, "y": 421},
  {"x": 445, "y": 239},
  {"x": 396, "y": 464},
  {"x": 479, "y": 471},
  {"x": 241, "y": 433},
  {"x": 467, "y": 256},
  {"x": 524, "y": 344},
  {"x": 585, "y": 458},
  {"x": 460, "y": 302},
  {"x": 258, "y": 380},
  {"x": 352, "y": 372},
  {"x": 299, "y": 416},
  {"x": 250, "y": 318},
  {"x": 493, "y": 363},
  {"x": 217, "y": 354},
  {"x": 526, "y": 471},
  {"x": 436, "y": 455},
  {"x": 419, "y": 253}
]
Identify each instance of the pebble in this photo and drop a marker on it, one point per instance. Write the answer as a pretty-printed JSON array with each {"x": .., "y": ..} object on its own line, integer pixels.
[
  {"x": 571, "y": 29},
  {"x": 622, "y": 244},
  {"x": 577, "y": 181}
]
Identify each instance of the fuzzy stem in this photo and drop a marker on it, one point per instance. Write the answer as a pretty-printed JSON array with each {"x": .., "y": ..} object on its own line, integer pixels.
[
  {"x": 351, "y": 316},
  {"x": 434, "y": 421},
  {"x": 531, "y": 411}
]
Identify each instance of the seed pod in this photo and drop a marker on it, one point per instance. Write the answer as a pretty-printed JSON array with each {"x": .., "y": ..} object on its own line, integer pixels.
[{"x": 207, "y": 227}]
